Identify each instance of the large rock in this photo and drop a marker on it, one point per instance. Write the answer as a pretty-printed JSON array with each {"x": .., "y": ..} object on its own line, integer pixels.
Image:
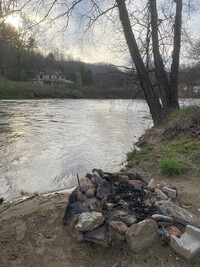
[
  {"x": 160, "y": 195},
  {"x": 116, "y": 215},
  {"x": 179, "y": 214},
  {"x": 117, "y": 230},
  {"x": 142, "y": 235},
  {"x": 135, "y": 183},
  {"x": 91, "y": 193},
  {"x": 98, "y": 236},
  {"x": 89, "y": 220},
  {"x": 86, "y": 184},
  {"x": 171, "y": 193}
]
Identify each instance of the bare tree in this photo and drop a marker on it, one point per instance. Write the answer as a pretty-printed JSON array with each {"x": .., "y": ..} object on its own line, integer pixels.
[{"x": 90, "y": 12}]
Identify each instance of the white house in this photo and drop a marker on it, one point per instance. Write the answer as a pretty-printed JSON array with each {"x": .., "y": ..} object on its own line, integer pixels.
[{"x": 51, "y": 77}]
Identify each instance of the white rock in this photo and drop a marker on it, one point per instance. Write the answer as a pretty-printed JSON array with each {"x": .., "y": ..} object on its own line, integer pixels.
[{"x": 89, "y": 220}]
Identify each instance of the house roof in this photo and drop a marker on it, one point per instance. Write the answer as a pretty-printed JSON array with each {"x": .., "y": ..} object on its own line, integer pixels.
[{"x": 50, "y": 72}]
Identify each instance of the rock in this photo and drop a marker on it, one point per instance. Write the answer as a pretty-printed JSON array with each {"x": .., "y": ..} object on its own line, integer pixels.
[
  {"x": 75, "y": 196},
  {"x": 98, "y": 236},
  {"x": 86, "y": 184},
  {"x": 117, "y": 230},
  {"x": 116, "y": 215},
  {"x": 93, "y": 203},
  {"x": 104, "y": 189},
  {"x": 142, "y": 235},
  {"x": 96, "y": 178},
  {"x": 135, "y": 183},
  {"x": 89, "y": 220},
  {"x": 171, "y": 193},
  {"x": 110, "y": 206},
  {"x": 91, "y": 193},
  {"x": 98, "y": 172},
  {"x": 165, "y": 224},
  {"x": 160, "y": 195},
  {"x": 141, "y": 178},
  {"x": 179, "y": 214},
  {"x": 123, "y": 204},
  {"x": 152, "y": 184},
  {"x": 129, "y": 219},
  {"x": 74, "y": 209},
  {"x": 162, "y": 218},
  {"x": 173, "y": 230},
  {"x": 158, "y": 186},
  {"x": 123, "y": 179}
]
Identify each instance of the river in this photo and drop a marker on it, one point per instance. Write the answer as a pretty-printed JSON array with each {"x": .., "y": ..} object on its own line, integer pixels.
[{"x": 45, "y": 143}]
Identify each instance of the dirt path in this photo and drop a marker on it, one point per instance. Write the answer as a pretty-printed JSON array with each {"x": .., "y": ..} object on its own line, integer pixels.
[{"x": 32, "y": 235}]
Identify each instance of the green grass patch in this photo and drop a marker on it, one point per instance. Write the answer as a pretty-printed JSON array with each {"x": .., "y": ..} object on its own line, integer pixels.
[
  {"x": 72, "y": 248},
  {"x": 170, "y": 166},
  {"x": 184, "y": 112},
  {"x": 86, "y": 248},
  {"x": 25, "y": 90},
  {"x": 181, "y": 147}
]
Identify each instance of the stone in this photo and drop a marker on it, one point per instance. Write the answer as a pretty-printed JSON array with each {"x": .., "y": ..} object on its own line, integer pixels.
[
  {"x": 99, "y": 236},
  {"x": 142, "y": 235},
  {"x": 86, "y": 184},
  {"x": 91, "y": 193},
  {"x": 75, "y": 208},
  {"x": 135, "y": 183},
  {"x": 171, "y": 193},
  {"x": 93, "y": 203},
  {"x": 96, "y": 178},
  {"x": 188, "y": 245},
  {"x": 89, "y": 220},
  {"x": 141, "y": 178},
  {"x": 162, "y": 218},
  {"x": 116, "y": 215},
  {"x": 158, "y": 186},
  {"x": 123, "y": 204},
  {"x": 117, "y": 230},
  {"x": 152, "y": 184},
  {"x": 165, "y": 224},
  {"x": 123, "y": 179},
  {"x": 160, "y": 195},
  {"x": 109, "y": 206},
  {"x": 75, "y": 196},
  {"x": 173, "y": 230},
  {"x": 129, "y": 219},
  {"x": 104, "y": 189},
  {"x": 179, "y": 214}
]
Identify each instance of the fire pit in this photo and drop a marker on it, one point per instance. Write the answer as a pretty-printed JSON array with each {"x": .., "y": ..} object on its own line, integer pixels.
[{"x": 124, "y": 207}]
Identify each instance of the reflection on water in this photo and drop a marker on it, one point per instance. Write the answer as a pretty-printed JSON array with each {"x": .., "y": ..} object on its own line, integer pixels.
[{"x": 44, "y": 143}]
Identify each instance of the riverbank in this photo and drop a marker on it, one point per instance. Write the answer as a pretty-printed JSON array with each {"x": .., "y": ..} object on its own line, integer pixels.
[
  {"x": 32, "y": 233},
  {"x": 171, "y": 154},
  {"x": 24, "y": 90}
]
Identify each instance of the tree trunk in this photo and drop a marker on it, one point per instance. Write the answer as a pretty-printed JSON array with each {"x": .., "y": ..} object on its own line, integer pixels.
[
  {"x": 152, "y": 98},
  {"x": 173, "y": 93},
  {"x": 161, "y": 76}
]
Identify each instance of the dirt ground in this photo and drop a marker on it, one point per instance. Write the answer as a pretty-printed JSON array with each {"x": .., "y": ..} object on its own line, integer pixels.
[{"x": 32, "y": 235}]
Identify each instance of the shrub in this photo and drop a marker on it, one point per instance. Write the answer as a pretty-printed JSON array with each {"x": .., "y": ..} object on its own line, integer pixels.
[{"x": 170, "y": 166}]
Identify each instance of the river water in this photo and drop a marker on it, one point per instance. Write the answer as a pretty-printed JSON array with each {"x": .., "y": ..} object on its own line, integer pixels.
[{"x": 45, "y": 143}]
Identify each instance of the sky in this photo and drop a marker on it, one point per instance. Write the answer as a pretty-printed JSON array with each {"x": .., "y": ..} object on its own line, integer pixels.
[{"x": 103, "y": 42}]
